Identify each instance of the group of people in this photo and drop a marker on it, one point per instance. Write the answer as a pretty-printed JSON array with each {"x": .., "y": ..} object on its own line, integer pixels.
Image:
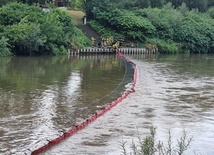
[{"x": 110, "y": 42}]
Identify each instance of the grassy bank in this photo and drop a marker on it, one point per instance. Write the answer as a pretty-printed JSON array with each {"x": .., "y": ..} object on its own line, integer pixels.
[{"x": 76, "y": 15}]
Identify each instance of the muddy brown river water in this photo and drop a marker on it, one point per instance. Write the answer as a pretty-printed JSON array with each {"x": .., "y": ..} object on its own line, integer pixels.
[{"x": 173, "y": 92}]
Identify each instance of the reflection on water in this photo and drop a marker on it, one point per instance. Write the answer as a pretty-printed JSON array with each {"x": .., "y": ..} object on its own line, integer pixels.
[
  {"x": 42, "y": 96},
  {"x": 172, "y": 92}
]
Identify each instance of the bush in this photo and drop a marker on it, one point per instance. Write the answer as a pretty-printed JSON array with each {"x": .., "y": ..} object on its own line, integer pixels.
[
  {"x": 32, "y": 31},
  {"x": 126, "y": 23},
  {"x": 104, "y": 31},
  {"x": 80, "y": 40},
  {"x": 174, "y": 29},
  {"x": 163, "y": 46},
  {"x": 4, "y": 49},
  {"x": 147, "y": 145},
  {"x": 196, "y": 33}
]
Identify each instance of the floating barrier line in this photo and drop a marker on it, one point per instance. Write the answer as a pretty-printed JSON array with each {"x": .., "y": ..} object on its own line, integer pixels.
[
  {"x": 92, "y": 118},
  {"x": 97, "y": 100}
]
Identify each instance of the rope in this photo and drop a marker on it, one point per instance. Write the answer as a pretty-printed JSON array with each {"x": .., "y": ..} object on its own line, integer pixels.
[
  {"x": 92, "y": 118},
  {"x": 97, "y": 100}
]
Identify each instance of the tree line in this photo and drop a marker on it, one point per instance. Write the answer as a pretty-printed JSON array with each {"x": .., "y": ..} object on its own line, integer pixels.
[
  {"x": 40, "y": 2},
  {"x": 171, "y": 29},
  {"x": 201, "y": 5}
]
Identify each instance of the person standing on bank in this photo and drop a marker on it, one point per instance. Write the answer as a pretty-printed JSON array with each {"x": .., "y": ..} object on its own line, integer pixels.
[
  {"x": 84, "y": 19},
  {"x": 92, "y": 41}
]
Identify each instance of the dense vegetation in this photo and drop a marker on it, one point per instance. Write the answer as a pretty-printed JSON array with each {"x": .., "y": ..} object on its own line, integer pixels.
[
  {"x": 27, "y": 30},
  {"x": 171, "y": 29},
  {"x": 201, "y": 5},
  {"x": 171, "y": 25}
]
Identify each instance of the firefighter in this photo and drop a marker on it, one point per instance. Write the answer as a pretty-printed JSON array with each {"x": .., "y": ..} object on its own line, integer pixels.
[{"x": 92, "y": 41}]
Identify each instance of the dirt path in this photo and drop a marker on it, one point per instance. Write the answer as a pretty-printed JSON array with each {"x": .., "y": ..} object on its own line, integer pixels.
[
  {"x": 77, "y": 16},
  {"x": 86, "y": 29}
]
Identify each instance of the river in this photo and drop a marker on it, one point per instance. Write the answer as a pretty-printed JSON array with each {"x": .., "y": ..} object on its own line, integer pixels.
[
  {"x": 173, "y": 92},
  {"x": 40, "y": 97}
]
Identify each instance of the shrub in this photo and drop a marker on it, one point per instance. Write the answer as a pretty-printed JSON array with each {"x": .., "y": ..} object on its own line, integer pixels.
[
  {"x": 147, "y": 145},
  {"x": 163, "y": 46},
  {"x": 104, "y": 31},
  {"x": 4, "y": 49},
  {"x": 32, "y": 31}
]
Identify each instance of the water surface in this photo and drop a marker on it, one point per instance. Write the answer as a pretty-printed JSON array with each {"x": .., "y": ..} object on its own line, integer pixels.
[
  {"x": 40, "y": 97},
  {"x": 173, "y": 92}
]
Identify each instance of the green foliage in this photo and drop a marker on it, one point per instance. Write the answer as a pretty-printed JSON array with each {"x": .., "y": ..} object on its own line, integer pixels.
[
  {"x": 80, "y": 40},
  {"x": 132, "y": 26},
  {"x": 77, "y": 4},
  {"x": 126, "y": 23},
  {"x": 25, "y": 37},
  {"x": 183, "y": 9},
  {"x": 163, "y": 46},
  {"x": 196, "y": 33},
  {"x": 57, "y": 28},
  {"x": 104, "y": 31},
  {"x": 32, "y": 31},
  {"x": 165, "y": 20},
  {"x": 211, "y": 12},
  {"x": 201, "y": 5},
  {"x": 4, "y": 2},
  {"x": 47, "y": 31},
  {"x": 174, "y": 29},
  {"x": 32, "y": 40},
  {"x": 58, "y": 50},
  {"x": 4, "y": 47},
  {"x": 192, "y": 30},
  {"x": 12, "y": 13},
  {"x": 157, "y": 3},
  {"x": 147, "y": 145}
]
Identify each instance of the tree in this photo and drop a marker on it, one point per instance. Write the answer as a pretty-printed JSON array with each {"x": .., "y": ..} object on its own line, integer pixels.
[
  {"x": 210, "y": 12},
  {"x": 32, "y": 31},
  {"x": 143, "y": 3},
  {"x": 195, "y": 33},
  {"x": 32, "y": 40},
  {"x": 157, "y": 3}
]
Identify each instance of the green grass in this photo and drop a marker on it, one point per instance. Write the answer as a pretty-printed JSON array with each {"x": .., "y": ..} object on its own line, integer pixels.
[{"x": 76, "y": 15}]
